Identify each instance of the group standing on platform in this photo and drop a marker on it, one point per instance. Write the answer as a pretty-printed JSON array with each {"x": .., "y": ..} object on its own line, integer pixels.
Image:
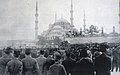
[{"x": 86, "y": 61}]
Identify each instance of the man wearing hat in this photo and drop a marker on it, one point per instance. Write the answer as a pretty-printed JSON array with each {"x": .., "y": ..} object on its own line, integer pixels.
[
  {"x": 57, "y": 68},
  {"x": 5, "y": 59},
  {"x": 49, "y": 61},
  {"x": 41, "y": 60},
  {"x": 69, "y": 63},
  {"x": 85, "y": 65},
  {"x": 30, "y": 65},
  {"x": 14, "y": 67},
  {"x": 102, "y": 63}
]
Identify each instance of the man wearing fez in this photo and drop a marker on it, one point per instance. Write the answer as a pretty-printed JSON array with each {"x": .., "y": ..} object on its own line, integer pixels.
[
  {"x": 14, "y": 67},
  {"x": 30, "y": 65},
  {"x": 102, "y": 62},
  {"x": 5, "y": 59}
]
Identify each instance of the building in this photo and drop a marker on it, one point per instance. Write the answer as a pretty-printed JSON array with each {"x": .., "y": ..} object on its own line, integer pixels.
[{"x": 59, "y": 29}]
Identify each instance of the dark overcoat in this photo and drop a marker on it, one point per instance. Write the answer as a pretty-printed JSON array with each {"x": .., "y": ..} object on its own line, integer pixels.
[
  {"x": 102, "y": 65},
  {"x": 84, "y": 67},
  {"x": 49, "y": 61},
  {"x": 69, "y": 64}
]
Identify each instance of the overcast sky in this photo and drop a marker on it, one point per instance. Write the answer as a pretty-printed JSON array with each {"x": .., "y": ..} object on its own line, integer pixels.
[{"x": 17, "y": 17}]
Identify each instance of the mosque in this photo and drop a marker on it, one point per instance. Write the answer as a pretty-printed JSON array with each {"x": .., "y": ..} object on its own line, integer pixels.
[
  {"x": 61, "y": 26},
  {"x": 58, "y": 29}
]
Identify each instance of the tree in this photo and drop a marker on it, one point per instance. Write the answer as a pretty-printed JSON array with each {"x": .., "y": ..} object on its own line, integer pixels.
[
  {"x": 72, "y": 34},
  {"x": 92, "y": 30}
]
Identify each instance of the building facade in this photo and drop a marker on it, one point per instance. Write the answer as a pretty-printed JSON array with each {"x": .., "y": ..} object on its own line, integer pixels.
[{"x": 58, "y": 29}]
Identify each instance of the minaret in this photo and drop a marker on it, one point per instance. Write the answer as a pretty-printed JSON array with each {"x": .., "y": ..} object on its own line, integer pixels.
[
  {"x": 71, "y": 12},
  {"x": 55, "y": 17},
  {"x": 84, "y": 20},
  {"x": 119, "y": 16},
  {"x": 113, "y": 29},
  {"x": 80, "y": 31},
  {"x": 36, "y": 21},
  {"x": 102, "y": 31}
]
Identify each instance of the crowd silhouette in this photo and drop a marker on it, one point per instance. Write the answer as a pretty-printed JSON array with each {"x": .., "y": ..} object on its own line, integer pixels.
[{"x": 85, "y": 59}]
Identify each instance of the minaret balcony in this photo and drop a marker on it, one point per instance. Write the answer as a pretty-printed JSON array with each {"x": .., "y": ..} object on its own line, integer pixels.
[{"x": 36, "y": 15}]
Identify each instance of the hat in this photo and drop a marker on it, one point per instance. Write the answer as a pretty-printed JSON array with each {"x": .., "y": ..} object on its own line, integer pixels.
[
  {"x": 83, "y": 53},
  {"x": 8, "y": 50},
  {"x": 103, "y": 48},
  {"x": 57, "y": 56},
  {"x": 16, "y": 53},
  {"x": 41, "y": 51},
  {"x": 28, "y": 51}
]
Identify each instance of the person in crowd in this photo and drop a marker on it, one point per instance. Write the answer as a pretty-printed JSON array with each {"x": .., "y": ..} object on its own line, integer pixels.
[
  {"x": 34, "y": 53},
  {"x": 85, "y": 65},
  {"x": 30, "y": 65},
  {"x": 89, "y": 54},
  {"x": 5, "y": 59},
  {"x": 69, "y": 63},
  {"x": 115, "y": 60},
  {"x": 14, "y": 67},
  {"x": 58, "y": 52},
  {"x": 96, "y": 54},
  {"x": 57, "y": 68},
  {"x": 41, "y": 60},
  {"x": 102, "y": 63},
  {"x": 118, "y": 49},
  {"x": 1, "y": 52},
  {"x": 49, "y": 61},
  {"x": 22, "y": 56}
]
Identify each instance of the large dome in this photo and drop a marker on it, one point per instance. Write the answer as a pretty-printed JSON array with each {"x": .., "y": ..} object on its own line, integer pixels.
[{"x": 62, "y": 20}]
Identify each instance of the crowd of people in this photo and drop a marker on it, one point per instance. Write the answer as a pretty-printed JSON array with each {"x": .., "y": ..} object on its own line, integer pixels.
[{"x": 97, "y": 59}]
